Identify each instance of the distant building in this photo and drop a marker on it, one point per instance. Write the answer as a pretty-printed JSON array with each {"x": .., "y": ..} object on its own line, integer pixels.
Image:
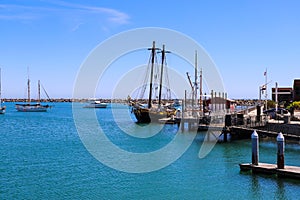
[
  {"x": 296, "y": 95},
  {"x": 288, "y": 94},
  {"x": 217, "y": 102},
  {"x": 285, "y": 94}
]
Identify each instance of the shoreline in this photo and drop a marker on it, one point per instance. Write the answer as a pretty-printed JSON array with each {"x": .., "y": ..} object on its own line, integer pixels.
[
  {"x": 238, "y": 102},
  {"x": 62, "y": 100}
]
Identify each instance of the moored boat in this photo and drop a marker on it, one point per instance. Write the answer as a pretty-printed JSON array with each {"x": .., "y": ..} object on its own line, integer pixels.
[
  {"x": 153, "y": 111},
  {"x": 32, "y": 107},
  {"x": 96, "y": 104}
]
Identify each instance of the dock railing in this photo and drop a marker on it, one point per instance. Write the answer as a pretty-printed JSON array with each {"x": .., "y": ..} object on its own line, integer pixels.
[{"x": 248, "y": 121}]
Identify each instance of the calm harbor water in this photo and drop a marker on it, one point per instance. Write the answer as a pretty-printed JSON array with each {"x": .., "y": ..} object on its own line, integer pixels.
[{"x": 42, "y": 157}]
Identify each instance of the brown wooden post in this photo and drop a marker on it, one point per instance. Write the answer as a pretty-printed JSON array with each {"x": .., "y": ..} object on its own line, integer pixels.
[
  {"x": 280, "y": 151},
  {"x": 255, "y": 149}
]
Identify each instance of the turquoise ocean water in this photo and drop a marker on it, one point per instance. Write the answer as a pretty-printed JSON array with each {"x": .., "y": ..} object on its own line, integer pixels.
[{"x": 42, "y": 157}]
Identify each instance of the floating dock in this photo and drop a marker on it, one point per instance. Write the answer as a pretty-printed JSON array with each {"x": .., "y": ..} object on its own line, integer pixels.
[
  {"x": 265, "y": 168},
  {"x": 281, "y": 170}
]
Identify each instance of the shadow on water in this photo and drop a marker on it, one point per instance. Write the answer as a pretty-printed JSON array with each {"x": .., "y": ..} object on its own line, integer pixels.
[
  {"x": 267, "y": 185},
  {"x": 280, "y": 193},
  {"x": 271, "y": 186},
  {"x": 255, "y": 186},
  {"x": 261, "y": 186}
]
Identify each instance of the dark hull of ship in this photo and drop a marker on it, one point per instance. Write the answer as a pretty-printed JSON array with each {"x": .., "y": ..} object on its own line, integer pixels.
[
  {"x": 145, "y": 115},
  {"x": 142, "y": 115}
]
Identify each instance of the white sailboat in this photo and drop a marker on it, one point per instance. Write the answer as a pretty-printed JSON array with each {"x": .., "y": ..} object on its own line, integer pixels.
[
  {"x": 32, "y": 107},
  {"x": 95, "y": 104},
  {"x": 2, "y": 108}
]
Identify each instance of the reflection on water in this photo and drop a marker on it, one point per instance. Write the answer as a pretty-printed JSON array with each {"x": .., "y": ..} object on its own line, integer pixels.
[{"x": 255, "y": 186}]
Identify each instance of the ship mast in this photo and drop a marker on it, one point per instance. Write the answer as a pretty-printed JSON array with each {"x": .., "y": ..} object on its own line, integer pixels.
[
  {"x": 201, "y": 89},
  {"x": 266, "y": 94},
  {"x": 196, "y": 76},
  {"x": 161, "y": 74},
  {"x": 39, "y": 91},
  {"x": 28, "y": 86},
  {"x": 163, "y": 58},
  {"x": 151, "y": 73}
]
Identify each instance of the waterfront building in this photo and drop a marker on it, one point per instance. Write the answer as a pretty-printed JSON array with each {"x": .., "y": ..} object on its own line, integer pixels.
[
  {"x": 288, "y": 94},
  {"x": 285, "y": 94},
  {"x": 296, "y": 94}
]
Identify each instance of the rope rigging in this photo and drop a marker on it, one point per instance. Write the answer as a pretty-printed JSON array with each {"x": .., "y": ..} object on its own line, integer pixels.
[{"x": 156, "y": 79}]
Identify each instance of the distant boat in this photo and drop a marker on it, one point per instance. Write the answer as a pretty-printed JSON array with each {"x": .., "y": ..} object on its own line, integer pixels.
[
  {"x": 32, "y": 107},
  {"x": 2, "y": 108},
  {"x": 176, "y": 103},
  {"x": 153, "y": 112},
  {"x": 96, "y": 104}
]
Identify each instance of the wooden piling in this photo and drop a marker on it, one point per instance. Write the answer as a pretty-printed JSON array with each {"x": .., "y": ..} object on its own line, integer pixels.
[
  {"x": 189, "y": 125},
  {"x": 225, "y": 134},
  {"x": 212, "y": 100},
  {"x": 280, "y": 151},
  {"x": 255, "y": 148},
  {"x": 182, "y": 113},
  {"x": 258, "y": 112}
]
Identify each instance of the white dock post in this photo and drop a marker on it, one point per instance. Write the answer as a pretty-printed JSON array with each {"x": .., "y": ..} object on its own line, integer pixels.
[
  {"x": 280, "y": 151},
  {"x": 255, "y": 149}
]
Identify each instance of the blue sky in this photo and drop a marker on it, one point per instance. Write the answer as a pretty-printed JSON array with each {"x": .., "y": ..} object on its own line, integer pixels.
[{"x": 53, "y": 38}]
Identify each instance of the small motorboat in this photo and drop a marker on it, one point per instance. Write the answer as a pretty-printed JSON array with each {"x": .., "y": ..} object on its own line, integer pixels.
[{"x": 96, "y": 104}]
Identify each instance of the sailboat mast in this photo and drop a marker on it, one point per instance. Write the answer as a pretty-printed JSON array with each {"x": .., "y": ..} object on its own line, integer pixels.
[
  {"x": 151, "y": 73},
  {"x": 266, "y": 94},
  {"x": 39, "y": 91},
  {"x": 201, "y": 89},
  {"x": 161, "y": 74},
  {"x": 196, "y": 76},
  {"x": 28, "y": 86}
]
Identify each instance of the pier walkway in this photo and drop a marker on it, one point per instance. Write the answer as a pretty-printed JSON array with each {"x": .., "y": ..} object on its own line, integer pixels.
[
  {"x": 241, "y": 126},
  {"x": 238, "y": 132}
]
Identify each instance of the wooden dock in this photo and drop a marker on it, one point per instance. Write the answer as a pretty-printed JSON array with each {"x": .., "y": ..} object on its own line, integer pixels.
[
  {"x": 265, "y": 168},
  {"x": 169, "y": 120}
]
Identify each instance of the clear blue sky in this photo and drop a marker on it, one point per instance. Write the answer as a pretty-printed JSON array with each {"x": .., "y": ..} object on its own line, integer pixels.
[{"x": 53, "y": 38}]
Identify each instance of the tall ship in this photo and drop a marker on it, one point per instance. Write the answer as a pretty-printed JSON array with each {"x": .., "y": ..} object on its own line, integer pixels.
[
  {"x": 2, "y": 108},
  {"x": 29, "y": 106},
  {"x": 153, "y": 110}
]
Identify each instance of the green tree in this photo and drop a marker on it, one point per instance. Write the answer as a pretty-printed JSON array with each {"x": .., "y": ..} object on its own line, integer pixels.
[
  {"x": 295, "y": 105},
  {"x": 271, "y": 104}
]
